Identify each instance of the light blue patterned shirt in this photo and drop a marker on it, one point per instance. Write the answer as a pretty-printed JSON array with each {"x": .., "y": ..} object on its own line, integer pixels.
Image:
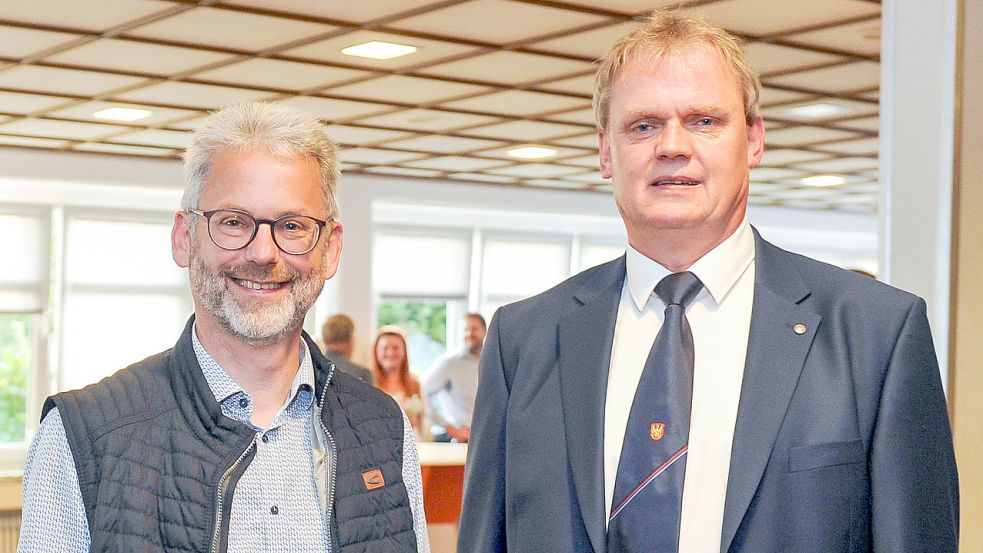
[{"x": 272, "y": 508}]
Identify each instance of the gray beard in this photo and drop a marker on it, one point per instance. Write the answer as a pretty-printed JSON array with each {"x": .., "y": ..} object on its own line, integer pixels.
[{"x": 262, "y": 324}]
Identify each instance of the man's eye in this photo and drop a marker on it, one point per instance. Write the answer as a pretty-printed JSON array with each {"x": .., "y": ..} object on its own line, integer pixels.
[
  {"x": 704, "y": 121},
  {"x": 643, "y": 127},
  {"x": 232, "y": 223}
]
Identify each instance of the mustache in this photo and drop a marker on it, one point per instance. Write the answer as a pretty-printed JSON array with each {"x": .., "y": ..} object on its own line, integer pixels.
[{"x": 251, "y": 271}]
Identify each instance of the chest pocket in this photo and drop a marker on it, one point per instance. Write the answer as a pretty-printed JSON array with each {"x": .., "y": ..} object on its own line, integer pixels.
[{"x": 830, "y": 454}]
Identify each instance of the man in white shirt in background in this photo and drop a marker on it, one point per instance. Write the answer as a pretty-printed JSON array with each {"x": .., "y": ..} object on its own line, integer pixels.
[{"x": 452, "y": 381}]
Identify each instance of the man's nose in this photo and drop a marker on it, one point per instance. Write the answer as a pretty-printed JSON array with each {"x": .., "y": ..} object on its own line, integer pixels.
[
  {"x": 674, "y": 141},
  {"x": 263, "y": 249}
]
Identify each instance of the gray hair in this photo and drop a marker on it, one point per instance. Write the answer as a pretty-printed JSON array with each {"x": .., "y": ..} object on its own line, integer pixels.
[{"x": 276, "y": 128}]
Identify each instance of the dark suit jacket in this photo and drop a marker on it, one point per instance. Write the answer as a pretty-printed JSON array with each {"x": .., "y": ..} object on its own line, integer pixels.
[
  {"x": 842, "y": 441},
  {"x": 346, "y": 365}
]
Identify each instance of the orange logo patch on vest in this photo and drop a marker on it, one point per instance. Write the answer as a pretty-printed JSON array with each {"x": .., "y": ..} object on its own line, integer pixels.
[
  {"x": 373, "y": 479},
  {"x": 657, "y": 430}
]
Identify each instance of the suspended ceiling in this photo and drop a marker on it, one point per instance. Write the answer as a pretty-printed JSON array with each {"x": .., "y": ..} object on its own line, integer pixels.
[{"x": 488, "y": 76}]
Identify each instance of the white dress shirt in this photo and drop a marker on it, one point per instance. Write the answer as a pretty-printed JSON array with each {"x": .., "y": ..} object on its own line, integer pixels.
[{"x": 720, "y": 318}]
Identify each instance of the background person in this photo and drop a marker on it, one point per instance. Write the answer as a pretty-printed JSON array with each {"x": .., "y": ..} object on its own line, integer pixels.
[
  {"x": 338, "y": 337},
  {"x": 391, "y": 373},
  {"x": 452, "y": 382}
]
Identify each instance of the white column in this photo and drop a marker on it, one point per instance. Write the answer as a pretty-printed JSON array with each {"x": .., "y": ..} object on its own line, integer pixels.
[{"x": 918, "y": 60}]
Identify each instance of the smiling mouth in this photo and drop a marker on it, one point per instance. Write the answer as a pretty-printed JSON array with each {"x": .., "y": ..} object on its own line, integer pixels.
[
  {"x": 675, "y": 181},
  {"x": 259, "y": 285}
]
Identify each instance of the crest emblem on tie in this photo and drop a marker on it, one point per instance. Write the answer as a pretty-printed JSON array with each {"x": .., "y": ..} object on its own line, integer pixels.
[{"x": 657, "y": 430}]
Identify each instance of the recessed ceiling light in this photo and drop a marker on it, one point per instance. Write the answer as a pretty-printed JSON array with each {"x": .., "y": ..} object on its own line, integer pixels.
[
  {"x": 379, "y": 50},
  {"x": 823, "y": 180},
  {"x": 532, "y": 152},
  {"x": 817, "y": 110},
  {"x": 123, "y": 114}
]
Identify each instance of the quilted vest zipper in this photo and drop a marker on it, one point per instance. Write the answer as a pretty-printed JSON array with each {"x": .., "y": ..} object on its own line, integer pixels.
[
  {"x": 334, "y": 457},
  {"x": 220, "y": 493}
]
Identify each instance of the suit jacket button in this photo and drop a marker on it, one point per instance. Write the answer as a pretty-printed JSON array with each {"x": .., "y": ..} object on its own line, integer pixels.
[{"x": 799, "y": 328}]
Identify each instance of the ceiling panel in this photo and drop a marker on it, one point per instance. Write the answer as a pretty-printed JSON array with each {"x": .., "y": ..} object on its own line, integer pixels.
[
  {"x": 137, "y": 57},
  {"x": 55, "y": 80},
  {"x": 524, "y": 130},
  {"x": 831, "y": 108},
  {"x": 627, "y": 7},
  {"x": 428, "y": 120},
  {"x": 516, "y": 102},
  {"x": 20, "y": 103},
  {"x": 778, "y": 156},
  {"x": 91, "y": 15},
  {"x": 329, "y": 50},
  {"x": 404, "y": 89},
  {"x": 59, "y": 129},
  {"x": 288, "y": 75},
  {"x": 85, "y": 111},
  {"x": 404, "y": 171},
  {"x": 443, "y": 144},
  {"x": 31, "y": 141},
  {"x": 455, "y": 163},
  {"x": 482, "y": 177},
  {"x": 504, "y": 67},
  {"x": 193, "y": 95},
  {"x": 774, "y": 58},
  {"x": 591, "y": 44},
  {"x": 583, "y": 116},
  {"x": 375, "y": 155},
  {"x": 345, "y": 134},
  {"x": 222, "y": 28},
  {"x": 361, "y": 11},
  {"x": 496, "y": 21},
  {"x": 124, "y": 149},
  {"x": 760, "y": 17},
  {"x": 863, "y": 147},
  {"x": 845, "y": 165},
  {"x": 862, "y": 38},
  {"x": 331, "y": 109},
  {"x": 156, "y": 137},
  {"x": 801, "y": 135},
  {"x": 17, "y": 42},
  {"x": 583, "y": 84},
  {"x": 535, "y": 170},
  {"x": 841, "y": 78}
]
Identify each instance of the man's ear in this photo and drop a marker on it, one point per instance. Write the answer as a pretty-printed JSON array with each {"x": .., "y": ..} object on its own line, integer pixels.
[
  {"x": 181, "y": 239},
  {"x": 605, "y": 155},
  {"x": 333, "y": 242},
  {"x": 755, "y": 142}
]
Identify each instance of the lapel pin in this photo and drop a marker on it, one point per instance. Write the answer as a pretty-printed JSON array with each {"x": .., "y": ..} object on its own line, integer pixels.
[{"x": 799, "y": 328}]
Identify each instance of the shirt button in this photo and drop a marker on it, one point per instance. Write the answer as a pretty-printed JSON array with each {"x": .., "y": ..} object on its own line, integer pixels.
[
  {"x": 274, "y": 510},
  {"x": 243, "y": 402},
  {"x": 266, "y": 440}
]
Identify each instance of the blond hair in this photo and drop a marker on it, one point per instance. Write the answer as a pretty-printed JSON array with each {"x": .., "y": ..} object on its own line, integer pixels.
[{"x": 667, "y": 32}]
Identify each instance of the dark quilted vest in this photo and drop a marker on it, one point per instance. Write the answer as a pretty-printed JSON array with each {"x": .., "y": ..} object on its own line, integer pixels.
[{"x": 150, "y": 444}]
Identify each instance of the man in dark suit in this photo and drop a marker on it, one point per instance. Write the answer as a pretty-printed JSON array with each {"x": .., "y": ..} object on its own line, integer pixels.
[{"x": 817, "y": 421}]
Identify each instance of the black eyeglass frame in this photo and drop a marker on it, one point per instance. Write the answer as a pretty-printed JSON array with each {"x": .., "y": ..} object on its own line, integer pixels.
[{"x": 272, "y": 222}]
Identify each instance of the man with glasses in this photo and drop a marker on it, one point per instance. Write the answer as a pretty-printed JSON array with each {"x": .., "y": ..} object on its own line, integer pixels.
[{"x": 243, "y": 437}]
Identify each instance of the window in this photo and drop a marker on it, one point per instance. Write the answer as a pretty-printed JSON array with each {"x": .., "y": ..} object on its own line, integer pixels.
[
  {"x": 23, "y": 301},
  {"x": 518, "y": 267},
  {"x": 421, "y": 280},
  {"x": 124, "y": 297}
]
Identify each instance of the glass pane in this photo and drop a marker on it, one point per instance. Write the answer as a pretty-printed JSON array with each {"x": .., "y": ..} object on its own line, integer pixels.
[
  {"x": 425, "y": 323},
  {"x": 23, "y": 249},
  {"x": 416, "y": 264},
  {"x": 595, "y": 254},
  {"x": 106, "y": 332},
  {"x": 120, "y": 252},
  {"x": 523, "y": 268},
  {"x": 15, "y": 362}
]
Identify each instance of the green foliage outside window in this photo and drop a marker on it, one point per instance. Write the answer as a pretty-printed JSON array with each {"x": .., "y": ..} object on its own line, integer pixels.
[
  {"x": 425, "y": 323},
  {"x": 15, "y": 359}
]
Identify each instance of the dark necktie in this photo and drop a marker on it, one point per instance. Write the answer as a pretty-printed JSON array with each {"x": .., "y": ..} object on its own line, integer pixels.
[{"x": 648, "y": 490}]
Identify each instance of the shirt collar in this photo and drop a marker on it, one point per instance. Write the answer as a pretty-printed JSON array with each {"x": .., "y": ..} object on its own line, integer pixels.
[
  {"x": 719, "y": 269},
  {"x": 223, "y": 386}
]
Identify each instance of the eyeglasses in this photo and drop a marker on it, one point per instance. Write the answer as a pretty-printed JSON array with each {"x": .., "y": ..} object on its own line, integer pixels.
[{"x": 234, "y": 229}]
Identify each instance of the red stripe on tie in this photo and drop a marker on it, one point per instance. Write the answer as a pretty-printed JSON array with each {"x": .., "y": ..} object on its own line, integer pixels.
[{"x": 659, "y": 470}]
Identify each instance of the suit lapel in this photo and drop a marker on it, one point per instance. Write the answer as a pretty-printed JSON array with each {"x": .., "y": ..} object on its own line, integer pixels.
[
  {"x": 585, "y": 338},
  {"x": 777, "y": 350}
]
